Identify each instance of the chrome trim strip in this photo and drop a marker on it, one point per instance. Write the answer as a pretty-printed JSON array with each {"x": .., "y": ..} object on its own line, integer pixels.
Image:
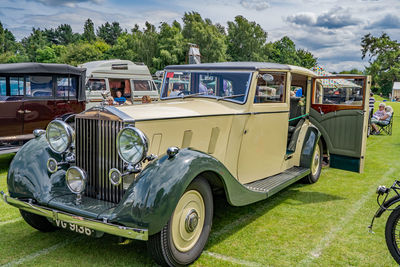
[{"x": 118, "y": 230}]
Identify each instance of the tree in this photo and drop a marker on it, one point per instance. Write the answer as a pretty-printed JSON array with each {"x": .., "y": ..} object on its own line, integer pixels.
[
  {"x": 171, "y": 47},
  {"x": 245, "y": 40},
  {"x": 7, "y": 40},
  {"x": 79, "y": 53},
  {"x": 306, "y": 59},
  {"x": 63, "y": 34},
  {"x": 109, "y": 32},
  {"x": 36, "y": 40},
  {"x": 207, "y": 36},
  {"x": 88, "y": 31},
  {"x": 384, "y": 61}
]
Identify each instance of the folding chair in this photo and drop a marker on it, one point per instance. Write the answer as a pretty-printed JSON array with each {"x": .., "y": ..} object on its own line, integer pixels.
[{"x": 387, "y": 128}]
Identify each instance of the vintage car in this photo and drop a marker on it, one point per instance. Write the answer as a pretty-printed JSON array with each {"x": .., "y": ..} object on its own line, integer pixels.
[
  {"x": 32, "y": 95},
  {"x": 109, "y": 76},
  {"x": 149, "y": 172}
]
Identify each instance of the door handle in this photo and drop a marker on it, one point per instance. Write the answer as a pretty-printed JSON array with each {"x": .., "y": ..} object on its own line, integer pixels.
[
  {"x": 20, "y": 111},
  {"x": 27, "y": 111}
]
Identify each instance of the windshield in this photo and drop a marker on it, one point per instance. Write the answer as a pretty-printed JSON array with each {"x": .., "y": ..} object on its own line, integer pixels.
[{"x": 230, "y": 86}]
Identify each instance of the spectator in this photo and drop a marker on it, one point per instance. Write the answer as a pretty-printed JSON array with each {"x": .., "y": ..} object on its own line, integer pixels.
[
  {"x": 381, "y": 120},
  {"x": 120, "y": 99},
  {"x": 371, "y": 103}
]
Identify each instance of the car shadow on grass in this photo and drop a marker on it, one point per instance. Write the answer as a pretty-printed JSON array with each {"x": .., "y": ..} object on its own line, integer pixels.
[{"x": 229, "y": 219}]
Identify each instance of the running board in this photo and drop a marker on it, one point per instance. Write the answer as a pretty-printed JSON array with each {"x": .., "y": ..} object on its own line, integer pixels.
[{"x": 276, "y": 183}]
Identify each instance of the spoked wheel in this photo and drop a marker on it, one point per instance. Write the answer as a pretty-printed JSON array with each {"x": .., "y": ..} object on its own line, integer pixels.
[
  {"x": 182, "y": 240},
  {"x": 316, "y": 165},
  {"x": 392, "y": 234}
]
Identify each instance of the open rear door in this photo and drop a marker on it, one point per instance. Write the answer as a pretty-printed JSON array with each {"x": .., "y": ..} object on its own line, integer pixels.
[{"x": 339, "y": 108}]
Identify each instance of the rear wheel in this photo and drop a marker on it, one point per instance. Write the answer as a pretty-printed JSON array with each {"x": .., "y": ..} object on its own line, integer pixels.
[
  {"x": 316, "y": 165},
  {"x": 182, "y": 240},
  {"x": 38, "y": 222}
]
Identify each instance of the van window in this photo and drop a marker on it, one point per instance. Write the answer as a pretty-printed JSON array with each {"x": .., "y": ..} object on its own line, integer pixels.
[
  {"x": 16, "y": 86},
  {"x": 66, "y": 86},
  {"x": 39, "y": 86},
  {"x": 96, "y": 85},
  {"x": 142, "y": 86},
  {"x": 120, "y": 85},
  {"x": 3, "y": 88}
]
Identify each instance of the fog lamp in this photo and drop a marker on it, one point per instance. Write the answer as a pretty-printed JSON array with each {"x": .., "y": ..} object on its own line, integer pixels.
[
  {"x": 52, "y": 165},
  {"x": 76, "y": 179}
]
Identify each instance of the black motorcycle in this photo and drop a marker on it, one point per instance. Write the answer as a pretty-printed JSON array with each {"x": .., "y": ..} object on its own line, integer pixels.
[{"x": 392, "y": 230}]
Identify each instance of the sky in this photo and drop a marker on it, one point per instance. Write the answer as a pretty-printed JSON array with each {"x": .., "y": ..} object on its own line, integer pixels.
[{"x": 331, "y": 30}]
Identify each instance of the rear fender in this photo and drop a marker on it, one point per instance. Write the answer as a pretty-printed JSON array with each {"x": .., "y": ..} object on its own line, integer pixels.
[{"x": 310, "y": 142}]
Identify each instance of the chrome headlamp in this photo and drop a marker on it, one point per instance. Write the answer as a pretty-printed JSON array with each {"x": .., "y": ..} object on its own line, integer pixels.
[
  {"x": 132, "y": 145},
  {"x": 75, "y": 179},
  {"x": 60, "y": 136}
]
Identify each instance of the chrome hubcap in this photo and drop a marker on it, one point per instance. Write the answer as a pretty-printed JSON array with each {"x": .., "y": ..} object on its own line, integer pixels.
[
  {"x": 191, "y": 221},
  {"x": 315, "y": 161}
]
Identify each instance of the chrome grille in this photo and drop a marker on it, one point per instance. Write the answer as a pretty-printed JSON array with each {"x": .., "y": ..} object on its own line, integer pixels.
[{"x": 96, "y": 153}]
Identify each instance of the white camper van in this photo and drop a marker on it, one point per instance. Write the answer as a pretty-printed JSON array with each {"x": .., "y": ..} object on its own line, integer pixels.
[{"x": 132, "y": 79}]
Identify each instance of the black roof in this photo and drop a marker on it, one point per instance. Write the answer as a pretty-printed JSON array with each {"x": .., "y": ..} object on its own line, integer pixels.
[
  {"x": 230, "y": 66},
  {"x": 39, "y": 68}
]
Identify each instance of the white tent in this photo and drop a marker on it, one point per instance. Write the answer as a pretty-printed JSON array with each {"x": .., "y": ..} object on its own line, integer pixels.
[{"x": 396, "y": 90}]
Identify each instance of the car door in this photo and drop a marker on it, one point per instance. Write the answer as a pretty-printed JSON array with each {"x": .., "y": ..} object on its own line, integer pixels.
[
  {"x": 11, "y": 107},
  {"x": 66, "y": 101},
  {"x": 263, "y": 147},
  {"x": 339, "y": 109}
]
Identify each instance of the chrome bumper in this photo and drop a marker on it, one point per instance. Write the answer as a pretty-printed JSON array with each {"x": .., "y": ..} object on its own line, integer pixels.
[{"x": 113, "y": 229}]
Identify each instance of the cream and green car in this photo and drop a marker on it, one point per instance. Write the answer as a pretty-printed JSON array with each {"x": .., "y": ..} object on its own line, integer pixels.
[{"x": 149, "y": 172}]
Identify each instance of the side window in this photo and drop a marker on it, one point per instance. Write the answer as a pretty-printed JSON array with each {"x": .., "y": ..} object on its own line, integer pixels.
[
  {"x": 66, "y": 87},
  {"x": 96, "y": 85},
  {"x": 271, "y": 87},
  {"x": 339, "y": 91},
  {"x": 16, "y": 86},
  {"x": 39, "y": 86},
  {"x": 3, "y": 87},
  {"x": 141, "y": 86}
]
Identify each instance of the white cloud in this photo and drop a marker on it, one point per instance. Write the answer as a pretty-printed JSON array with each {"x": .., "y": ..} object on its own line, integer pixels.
[{"x": 255, "y": 4}]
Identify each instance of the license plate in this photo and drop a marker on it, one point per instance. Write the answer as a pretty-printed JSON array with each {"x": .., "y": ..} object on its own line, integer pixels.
[{"x": 75, "y": 228}]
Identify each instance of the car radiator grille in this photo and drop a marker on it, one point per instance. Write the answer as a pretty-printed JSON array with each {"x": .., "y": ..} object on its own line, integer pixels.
[{"x": 96, "y": 153}]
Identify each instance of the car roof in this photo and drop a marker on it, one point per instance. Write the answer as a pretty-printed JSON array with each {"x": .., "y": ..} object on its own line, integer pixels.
[
  {"x": 39, "y": 68},
  {"x": 240, "y": 66}
]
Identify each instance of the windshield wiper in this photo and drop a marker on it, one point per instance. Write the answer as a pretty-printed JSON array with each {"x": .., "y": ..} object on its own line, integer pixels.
[
  {"x": 230, "y": 96},
  {"x": 190, "y": 95}
]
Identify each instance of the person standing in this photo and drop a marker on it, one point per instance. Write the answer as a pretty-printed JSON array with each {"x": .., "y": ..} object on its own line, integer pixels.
[{"x": 371, "y": 103}]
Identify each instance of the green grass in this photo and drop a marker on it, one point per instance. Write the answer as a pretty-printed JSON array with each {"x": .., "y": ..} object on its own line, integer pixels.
[{"x": 324, "y": 224}]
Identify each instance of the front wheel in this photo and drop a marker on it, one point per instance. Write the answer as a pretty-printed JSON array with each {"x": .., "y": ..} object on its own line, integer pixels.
[
  {"x": 392, "y": 234},
  {"x": 38, "y": 222},
  {"x": 183, "y": 238}
]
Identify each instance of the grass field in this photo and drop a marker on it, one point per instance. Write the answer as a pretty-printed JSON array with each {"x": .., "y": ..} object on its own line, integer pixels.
[{"x": 324, "y": 224}]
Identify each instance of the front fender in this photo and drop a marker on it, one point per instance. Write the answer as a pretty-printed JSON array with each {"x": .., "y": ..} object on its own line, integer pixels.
[
  {"x": 152, "y": 198},
  {"x": 388, "y": 203},
  {"x": 28, "y": 176}
]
